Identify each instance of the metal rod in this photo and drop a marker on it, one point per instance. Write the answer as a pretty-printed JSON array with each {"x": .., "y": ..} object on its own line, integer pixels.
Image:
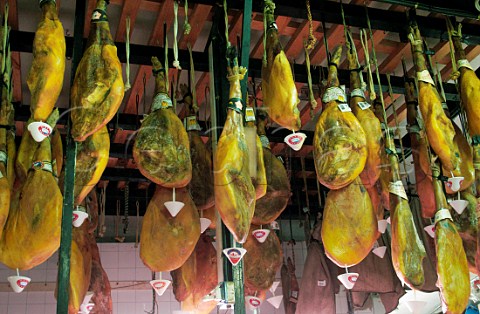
[{"x": 71, "y": 155}]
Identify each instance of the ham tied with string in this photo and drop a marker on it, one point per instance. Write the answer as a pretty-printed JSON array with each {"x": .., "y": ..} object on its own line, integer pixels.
[
  {"x": 439, "y": 128},
  {"x": 270, "y": 206},
  {"x": 452, "y": 265},
  {"x": 45, "y": 78},
  {"x": 97, "y": 91},
  {"x": 278, "y": 87},
  {"x": 162, "y": 148},
  {"x": 339, "y": 142},
  {"x": 234, "y": 191},
  {"x": 290, "y": 287}
]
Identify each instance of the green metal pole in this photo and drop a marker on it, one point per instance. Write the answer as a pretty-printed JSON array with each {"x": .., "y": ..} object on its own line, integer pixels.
[{"x": 71, "y": 155}]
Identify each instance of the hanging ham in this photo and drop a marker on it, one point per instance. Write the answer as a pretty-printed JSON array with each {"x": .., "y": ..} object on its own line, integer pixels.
[
  {"x": 45, "y": 78},
  {"x": 349, "y": 227},
  {"x": 269, "y": 207},
  {"x": 167, "y": 241},
  {"x": 196, "y": 278},
  {"x": 452, "y": 265},
  {"x": 234, "y": 191},
  {"x": 440, "y": 131},
  {"x": 162, "y": 149},
  {"x": 97, "y": 89},
  {"x": 32, "y": 232},
  {"x": 6, "y": 152},
  {"x": 290, "y": 286},
  {"x": 278, "y": 87},
  {"x": 339, "y": 142}
]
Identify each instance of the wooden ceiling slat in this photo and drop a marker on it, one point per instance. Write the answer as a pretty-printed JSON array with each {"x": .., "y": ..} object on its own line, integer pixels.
[
  {"x": 130, "y": 9},
  {"x": 295, "y": 45},
  {"x": 197, "y": 20},
  {"x": 235, "y": 26},
  {"x": 334, "y": 37},
  {"x": 394, "y": 59},
  {"x": 471, "y": 52},
  {"x": 91, "y": 6}
]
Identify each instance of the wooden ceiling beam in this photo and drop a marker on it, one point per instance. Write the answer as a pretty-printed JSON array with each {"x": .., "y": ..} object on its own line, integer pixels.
[
  {"x": 393, "y": 60},
  {"x": 335, "y": 36},
  {"x": 88, "y": 15},
  {"x": 235, "y": 26},
  {"x": 471, "y": 52},
  {"x": 295, "y": 46},
  {"x": 130, "y": 9}
]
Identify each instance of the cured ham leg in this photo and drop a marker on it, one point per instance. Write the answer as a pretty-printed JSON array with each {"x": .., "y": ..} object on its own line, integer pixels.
[
  {"x": 6, "y": 117},
  {"x": 349, "y": 227},
  {"x": 197, "y": 278},
  {"x": 452, "y": 266},
  {"x": 98, "y": 89},
  {"x": 270, "y": 206},
  {"x": 162, "y": 148},
  {"x": 32, "y": 232},
  {"x": 339, "y": 142},
  {"x": 439, "y": 128},
  {"x": 45, "y": 78},
  {"x": 408, "y": 251},
  {"x": 234, "y": 191},
  {"x": 278, "y": 88},
  {"x": 290, "y": 287},
  {"x": 167, "y": 241}
]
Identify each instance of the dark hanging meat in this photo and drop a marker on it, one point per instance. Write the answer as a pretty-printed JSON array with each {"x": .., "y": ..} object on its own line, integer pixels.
[
  {"x": 98, "y": 89},
  {"x": 290, "y": 287}
]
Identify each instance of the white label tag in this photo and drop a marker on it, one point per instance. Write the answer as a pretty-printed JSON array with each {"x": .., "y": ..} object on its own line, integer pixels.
[
  {"x": 364, "y": 105},
  {"x": 425, "y": 76},
  {"x": 322, "y": 283},
  {"x": 3, "y": 156},
  {"x": 398, "y": 189},
  {"x": 191, "y": 124},
  {"x": 161, "y": 101},
  {"x": 357, "y": 92},
  {"x": 334, "y": 93},
  {"x": 249, "y": 114},
  {"x": 344, "y": 108},
  {"x": 464, "y": 64},
  {"x": 1, "y": 174},
  {"x": 265, "y": 141},
  {"x": 442, "y": 214}
]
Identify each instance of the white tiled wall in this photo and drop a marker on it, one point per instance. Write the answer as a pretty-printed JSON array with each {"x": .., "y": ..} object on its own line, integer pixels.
[{"x": 123, "y": 265}]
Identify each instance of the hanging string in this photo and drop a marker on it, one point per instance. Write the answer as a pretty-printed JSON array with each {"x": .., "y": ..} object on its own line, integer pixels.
[
  {"x": 313, "y": 102},
  {"x": 186, "y": 27},
  {"x": 311, "y": 41},
  {"x": 4, "y": 39},
  {"x": 176, "y": 63},
  {"x": 226, "y": 23},
  {"x": 125, "y": 218},
  {"x": 103, "y": 198},
  {"x": 452, "y": 32},
  {"x": 127, "y": 49},
  {"x": 117, "y": 221},
  {"x": 167, "y": 78},
  {"x": 364, "y": 41},
  {"x": 397, "y": 125},
  {"x": 192, "y": 81},
  {"x": 382, "y": 101}
]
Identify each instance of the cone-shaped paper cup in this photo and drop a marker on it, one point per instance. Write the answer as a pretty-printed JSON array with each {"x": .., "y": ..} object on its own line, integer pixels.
[
  {"x": 380, "y": 251},
  {"x": 348, "y": 279},
  {"x": 261, "y": 234},
  {"x": 234, "y": 254},
  {"x": 416, "y": 306},
  {"x": 274, "y": 287},
  {"x": 430, "y": 230},
  {"x": 458, "y": 205},
  {"x": 454, "y": 183},
  {"x": 39, "y": 130},
  {"x": 204, "y": 224},
  {"x": 275, "y": 301},
  {"x": 295, "y": 140},
  {"x": 160, "y": 285},
  {"x": 18, "y": 283},
  {"x": 253, "y": 302},
  {"x": 79, "y": 217},
  {"x": 86, "y": 308},
  {"x": 382, "y": 225},
  {"x": 88, "y": 297},
  {"x": 174, "y": 207}
]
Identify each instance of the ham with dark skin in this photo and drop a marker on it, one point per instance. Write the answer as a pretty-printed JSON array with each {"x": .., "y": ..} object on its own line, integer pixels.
[{"x": 290, "y": 287}]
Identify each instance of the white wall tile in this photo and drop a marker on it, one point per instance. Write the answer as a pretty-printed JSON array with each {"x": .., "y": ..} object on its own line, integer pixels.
[
  {"x": 126, "y": 308},
  {"x": 35, "y": 297},
  {"x": 126, "y": 274},
  {"x": 125, "y": 296},
  {"x": 50, "y": 308},
  {"x": 126, "y": 259},
  {"x": 36, "y": 308},
  {"x": 143, "y": 274},
  {"x": 17, "y": 308},
  {"x": 17, "y": 298},
  {"x": 3, "y": 298}
]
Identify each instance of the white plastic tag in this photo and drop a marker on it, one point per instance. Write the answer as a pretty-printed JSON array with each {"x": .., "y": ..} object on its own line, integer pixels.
[
  {"x": 364, "y": 105},
  {"x": 344, "y": 108},
  {"x": 1, "y": 175},
  {"x": 321, "y": 283},
  {"x": 398, "y": 189},
  {"x": 161, "y": 101},
  {"x": 334, "y": 93},
  {"x": 357, "y": 92},
  {"x": 3, "y": 156},
  {"x": 265, "y": 141},
  {"x": 425, "y": 76},
  {"x": 191, "y": 124},
  {"x": 249, "y": 114},
  {"x": 443, "y": 214},
  {"x": 464, "y": 64}
]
